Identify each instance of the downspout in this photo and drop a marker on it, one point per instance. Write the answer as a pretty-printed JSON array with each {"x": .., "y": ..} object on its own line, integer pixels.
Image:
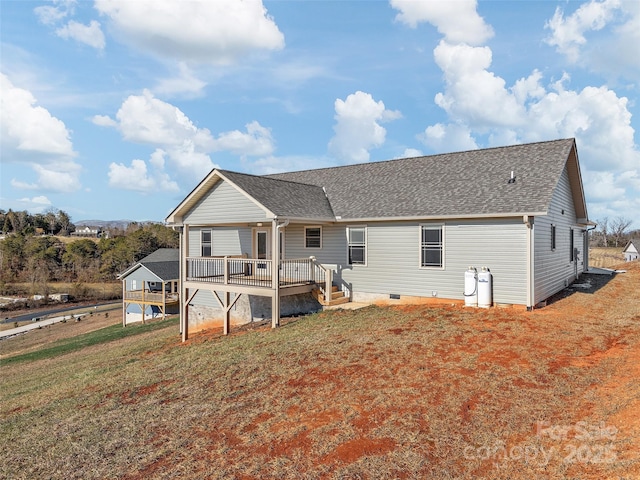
[
  {"x": 275, "y": 273},
  {"x": 585, "y": 254}
]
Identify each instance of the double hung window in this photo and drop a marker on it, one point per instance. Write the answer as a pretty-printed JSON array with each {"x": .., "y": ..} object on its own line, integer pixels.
[
  {"x": 357, "y": 244},
  {"x": 205, "y": 243},
  {"x": 431, "y": 246},
  {"x": 313, "y": 237}
]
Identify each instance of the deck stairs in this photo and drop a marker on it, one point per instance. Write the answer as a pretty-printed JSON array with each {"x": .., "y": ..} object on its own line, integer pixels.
[{"x": 337, "y": 296}]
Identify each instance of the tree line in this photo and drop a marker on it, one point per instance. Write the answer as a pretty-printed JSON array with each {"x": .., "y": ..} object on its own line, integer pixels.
[
  {"x": 40, "y": 258},
  {"x": 613, "y": 232}
]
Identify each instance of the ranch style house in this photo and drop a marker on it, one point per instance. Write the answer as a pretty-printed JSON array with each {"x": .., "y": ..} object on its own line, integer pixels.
[{"x": 399, "y": 231}]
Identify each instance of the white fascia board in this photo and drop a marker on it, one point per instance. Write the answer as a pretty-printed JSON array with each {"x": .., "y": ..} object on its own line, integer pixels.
[{"x": 439, "y": 217}]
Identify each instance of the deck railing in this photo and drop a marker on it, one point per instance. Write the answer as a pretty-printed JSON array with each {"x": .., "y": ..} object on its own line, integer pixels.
[
  {"x": 150, "y": 297},
  {"x": 253, "y": 272}
]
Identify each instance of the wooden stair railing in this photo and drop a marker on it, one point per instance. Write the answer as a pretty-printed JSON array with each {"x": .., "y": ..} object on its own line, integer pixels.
[{"x": 326, "y": 294}]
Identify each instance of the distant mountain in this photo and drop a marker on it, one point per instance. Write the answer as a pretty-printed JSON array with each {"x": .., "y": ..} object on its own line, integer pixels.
[{"x": 103, "y": 223}]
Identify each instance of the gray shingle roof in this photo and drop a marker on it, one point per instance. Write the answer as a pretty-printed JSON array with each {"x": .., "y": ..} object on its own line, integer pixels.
[
  {"x": 164, "y": 270},
  {"x": 465, "y": 183},
  {"x": 163, "y": 255},
  {"x": 164, "y": 263},
  {"x": 284, "y": 198}
]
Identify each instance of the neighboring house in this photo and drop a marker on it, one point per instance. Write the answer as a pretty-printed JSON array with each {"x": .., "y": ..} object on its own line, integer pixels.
[
  {"x": 396, "y": 231},
  {"x": 87, "y": 232},
  {"x": 631, "y": 252},
  {"x": 150, "y": 287}
]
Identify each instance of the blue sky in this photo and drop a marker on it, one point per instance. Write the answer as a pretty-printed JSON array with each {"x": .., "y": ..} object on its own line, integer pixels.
[{"x": 115, "y": 109}]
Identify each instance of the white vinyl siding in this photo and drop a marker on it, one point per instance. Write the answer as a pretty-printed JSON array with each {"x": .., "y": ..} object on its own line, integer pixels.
[
  {"x": 224, "y": 241},
  {"x": 393, "y": 264},
  {"x": 554, "y": 269},
  {"x": 393, "y": 258},
  {"x": 224, "y": 204}
]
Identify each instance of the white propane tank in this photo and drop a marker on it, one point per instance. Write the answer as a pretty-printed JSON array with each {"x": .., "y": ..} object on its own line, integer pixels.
[
  {"x": 471, "y": 287},
  {"x": 485, "y": 288}
]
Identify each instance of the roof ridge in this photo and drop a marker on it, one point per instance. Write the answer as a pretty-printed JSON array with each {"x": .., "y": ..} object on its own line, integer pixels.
[{"x": 434, "y": 156}]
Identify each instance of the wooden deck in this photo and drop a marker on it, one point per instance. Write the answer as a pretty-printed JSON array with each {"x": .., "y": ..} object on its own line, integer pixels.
[
  {"x": 253, "y": 276},
  {"x": 151, "y": 298}
]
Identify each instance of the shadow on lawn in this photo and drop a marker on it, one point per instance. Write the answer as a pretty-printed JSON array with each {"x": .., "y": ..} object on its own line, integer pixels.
[{"x": 587, "y": 283}]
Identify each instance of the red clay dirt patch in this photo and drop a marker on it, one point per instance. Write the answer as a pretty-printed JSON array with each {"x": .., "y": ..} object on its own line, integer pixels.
[
  {"x": 460, "y": 391},
  {"x": 353, "y": 450},
  {"x": 396, "y": 392}
]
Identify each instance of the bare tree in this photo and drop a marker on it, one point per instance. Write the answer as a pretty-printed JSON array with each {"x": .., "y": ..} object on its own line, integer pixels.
[
  {"x": 603, "y": 231},
  {"x": 618, "y": 228}
]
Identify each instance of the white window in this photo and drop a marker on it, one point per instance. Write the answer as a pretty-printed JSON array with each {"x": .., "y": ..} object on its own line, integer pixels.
[
  {"x": 357, "y": 242},
  {"x": 431, "y": 246},
  {"x": 205, "y": 243},
  {"x": 312, "y": 237}
]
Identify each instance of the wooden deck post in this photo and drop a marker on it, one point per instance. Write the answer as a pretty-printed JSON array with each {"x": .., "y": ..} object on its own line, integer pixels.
[
  {"x": 275, "y": 274},
  {"x": 164, "y": 299},
  {"x": 124, "y": 302},
  {"x": 227, "y": 314},
  {"x": 184, "y": 292},
  {"x": 142, "y": 305}
]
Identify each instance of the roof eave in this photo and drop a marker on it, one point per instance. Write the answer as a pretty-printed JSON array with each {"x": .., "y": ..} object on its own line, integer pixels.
[
  {"x": 440, "y": 217},
  {"x": 133, "y": 268}
]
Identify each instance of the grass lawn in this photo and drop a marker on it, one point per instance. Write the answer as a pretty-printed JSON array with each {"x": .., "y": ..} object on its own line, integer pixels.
[{"x": 404, "y": 392}]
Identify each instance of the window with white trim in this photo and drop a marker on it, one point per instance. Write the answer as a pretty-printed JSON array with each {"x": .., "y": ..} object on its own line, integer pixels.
[
  {"x": 572, "y": 254},
  {"x": 357, "y": 245},
  {"x": 431, "y": 246},
  {"x": 312, "y": 237},
  {"x": 205, "y": 243}
]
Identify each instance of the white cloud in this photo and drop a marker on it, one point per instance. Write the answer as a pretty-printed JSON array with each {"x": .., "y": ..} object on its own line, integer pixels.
[
  {"x": 358, "y": 128},
  {"x": 472, "y": 93},
  {"x": 88, "y": 34},
  {"x": 32, "y": 136},
  {"x": 478, "y": 102},
  {"x": 411, "y": 152},
  {"x": 185, "y": 84},
  {"x": 256, "y": 142},
  {"x": 148, "y": 120},
  {"x": 52, "y": 14},
  {"x": 37, "y": 204},
  {"x": 59, "y": 177},
  {"x": 567, "y": 33},
  {"x": 28, "y": 127},
  {"x": 457, "y": 20},
  {"x": 447, "y": 138},
  {"x": 218, "y": 32},
  {"x": 139, "y": 178},
  {"x": 104, "y": 121},
  {"x": 600, "y": 36}
]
